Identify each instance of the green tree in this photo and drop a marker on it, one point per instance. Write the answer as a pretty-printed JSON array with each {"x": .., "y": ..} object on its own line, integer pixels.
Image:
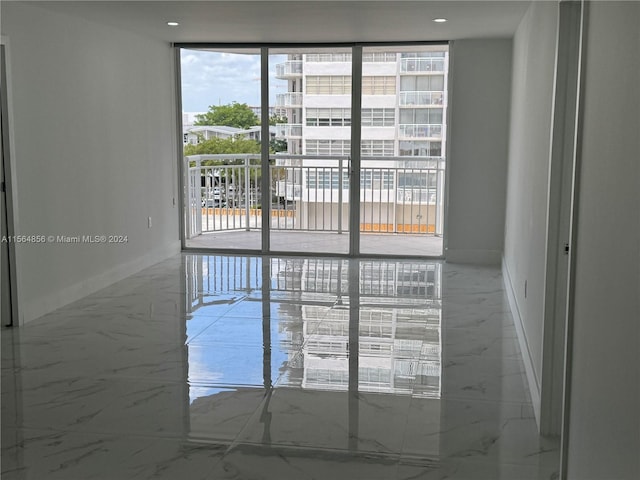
[
  {"x": 229, "y": 146},
  {"x": 275, "y": 119},
  {"x": 278, "y": 145},
  {"x": 237, "y": 144},
  {"x": 232, "y": 115}
]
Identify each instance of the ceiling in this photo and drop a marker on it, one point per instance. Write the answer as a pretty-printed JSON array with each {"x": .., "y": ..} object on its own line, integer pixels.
[{"x": 302, "y": 21}]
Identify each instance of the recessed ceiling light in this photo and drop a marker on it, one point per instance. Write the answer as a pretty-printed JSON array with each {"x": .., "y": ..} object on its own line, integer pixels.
[
  {"x": 173, "y": 24},
  {"x": 439, "y": 20}
]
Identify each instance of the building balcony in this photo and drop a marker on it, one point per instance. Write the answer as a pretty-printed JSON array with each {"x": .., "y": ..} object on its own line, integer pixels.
[
  {"x": 288, "y": 130},
  {"x": 223, "y": 194},
  {"x": 418, "y": 130},
  {"x": 422, "y": 65},
  {"x": 290, "y": 69},
  {"x": 421, "y": 98},
  {"x": 289, "y": 100}
]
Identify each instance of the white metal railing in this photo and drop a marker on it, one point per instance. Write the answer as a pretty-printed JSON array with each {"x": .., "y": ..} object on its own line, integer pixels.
[
  {"x": 417, "y": 65},
  {"x": 367, "y": 57},
  {"x": 289, "y": 100},
  {"x": 420, "y": 130},
  {"x": 289, "y": 69},
  {"x": 414, "y": 98},
  {"x": 222, "y": 192},
  {"x": 311, "y": 193},
  {"x": 287, "y": 130},
  {"x": 328, "y": 57}
]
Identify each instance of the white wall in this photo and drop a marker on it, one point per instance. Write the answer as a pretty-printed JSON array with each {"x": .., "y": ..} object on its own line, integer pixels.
[
  {"x": 604, "y": 436},
  {"x": 94, "y": 119},
  {"x": 528, "y": 179},
  {"x": 479, "y": 122}
]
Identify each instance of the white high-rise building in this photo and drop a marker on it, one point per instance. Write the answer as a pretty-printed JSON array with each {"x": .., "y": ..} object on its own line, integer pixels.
[{"x": 404, "y": 103}]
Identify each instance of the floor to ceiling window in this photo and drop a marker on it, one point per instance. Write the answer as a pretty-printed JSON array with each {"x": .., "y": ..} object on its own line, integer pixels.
[
  {"x": 356, "y": 148},
  {"x": 221, "y": 135},
  {"x": 310, "y": 170}
]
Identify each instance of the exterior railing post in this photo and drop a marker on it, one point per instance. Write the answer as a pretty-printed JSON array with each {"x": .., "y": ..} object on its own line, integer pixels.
[
  {"x": 247, "y": 193},
  {"x": 188, "y": 211},
  {"x": 197, "y": 195}
]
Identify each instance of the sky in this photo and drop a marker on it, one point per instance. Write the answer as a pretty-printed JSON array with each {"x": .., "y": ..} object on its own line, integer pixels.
[{"x": 214, "y": 78}]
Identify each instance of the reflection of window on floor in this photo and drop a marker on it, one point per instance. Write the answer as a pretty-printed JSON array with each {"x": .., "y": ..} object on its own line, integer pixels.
[
  {"x": 407, "y": 348},
  {"x": 313, "y": 313},
  {"x": 324, "y": 347},
  {"x": 336, "y": 328},
  {"x": 376, "y": 349},
  {"x": 325, "y": 376},
  {"x": 432, "y": 336},
  {"x": 376, "y": 323},
  {"x": 374, "y": 377},
  {"x": 412, "y": 290}
]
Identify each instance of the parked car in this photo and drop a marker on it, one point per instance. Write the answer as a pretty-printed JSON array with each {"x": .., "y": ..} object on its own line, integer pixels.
[{"x": 213, "y": 198}]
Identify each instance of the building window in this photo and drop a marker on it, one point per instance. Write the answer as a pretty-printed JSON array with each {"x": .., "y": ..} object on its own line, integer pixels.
[
  {"x": 417, "y": 62},
  {"x": 328, "y": 147},
  {"x": 328, "y": 85},
  {"x": 370, "y": 57},
  {"x": 328, "y": 117},
  {"x": 376, "y": 179},
  {"x": 429, "y": 116},
  {"x": 422, "y": 55},
  {"x": 377, "y": 148},
  {"x": 378, "y": 117},
  {"x": 383, "y": 85},
  {"x": 420, "y": 149},
  {"x": 328, "y": 57},
  {"x": 426, "y": 83},
  {"x": 327, "y": 178},
  {"x": 417, "y": 180},
  {"x": 379, "y": 57}
]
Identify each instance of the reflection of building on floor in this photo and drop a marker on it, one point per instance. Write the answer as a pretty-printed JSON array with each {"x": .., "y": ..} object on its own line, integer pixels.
[
  {"x": 398, "y": 329},
  {"x": 398, "y": 318}
]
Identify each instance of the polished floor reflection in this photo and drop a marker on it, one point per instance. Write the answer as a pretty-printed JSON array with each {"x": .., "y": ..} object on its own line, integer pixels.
[{"x": 232, "y": 367}]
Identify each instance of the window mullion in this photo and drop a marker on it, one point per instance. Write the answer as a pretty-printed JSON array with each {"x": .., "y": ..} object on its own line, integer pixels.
[{"x": 356, "y": 137}]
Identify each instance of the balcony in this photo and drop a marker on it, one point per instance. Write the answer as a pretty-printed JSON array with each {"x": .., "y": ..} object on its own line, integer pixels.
[
  {"x": 415, "y": 130},
  {"x": 310, "y": 196},
  {"x": 288, "y": 130},
  {"x": 421, "y": 99},
  {"x": 289, "y": 100},
  {"x": 422, "y": 65},
  {"x": 290, "y": 69}
]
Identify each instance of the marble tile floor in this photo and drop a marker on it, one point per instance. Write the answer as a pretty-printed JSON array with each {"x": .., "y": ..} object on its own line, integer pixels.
[{"x": 231, "y": 367}]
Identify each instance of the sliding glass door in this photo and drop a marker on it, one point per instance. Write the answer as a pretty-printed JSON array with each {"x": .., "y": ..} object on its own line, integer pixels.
[
  {"x": 309, "y": 163},
  {"x": 403, "y": 145},
  {"x": 332, "y": 149},
  {"x": 221, "y": 135}
]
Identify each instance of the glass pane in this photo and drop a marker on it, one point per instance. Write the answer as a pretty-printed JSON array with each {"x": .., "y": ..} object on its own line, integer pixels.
[
  {"x": 402, "y": 167},
  {"x": 221, "y": 135},
  {"x": 311, "y": 92}
]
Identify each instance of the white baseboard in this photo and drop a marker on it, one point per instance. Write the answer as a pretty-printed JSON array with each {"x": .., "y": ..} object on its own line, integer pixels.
[
  {"x": 534, "y": 386},
  {"x": 46, "y": 304},
  {"x": 475, "y": 257}
]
